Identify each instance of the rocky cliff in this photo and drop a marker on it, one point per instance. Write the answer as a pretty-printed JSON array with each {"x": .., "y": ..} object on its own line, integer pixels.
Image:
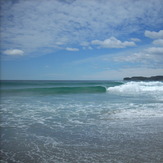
[{"x": 141, "y": 78}]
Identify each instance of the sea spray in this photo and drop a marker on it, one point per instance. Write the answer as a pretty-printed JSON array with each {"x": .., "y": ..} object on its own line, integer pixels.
[{"x": 132, "y": 88}]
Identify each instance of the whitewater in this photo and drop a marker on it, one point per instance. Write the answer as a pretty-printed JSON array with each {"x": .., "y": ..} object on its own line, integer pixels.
[{"x": 81, "y": 122}]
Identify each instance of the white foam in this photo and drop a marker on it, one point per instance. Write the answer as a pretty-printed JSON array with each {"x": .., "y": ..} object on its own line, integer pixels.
[
  {"x": 131, "y": 111},
  {"x": 141, "y": 111},
  {"x": 132, "y": 88}
]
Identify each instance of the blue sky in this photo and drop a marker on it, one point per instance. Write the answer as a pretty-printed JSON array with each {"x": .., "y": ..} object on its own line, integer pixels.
[{"x": 81, "y": 39}]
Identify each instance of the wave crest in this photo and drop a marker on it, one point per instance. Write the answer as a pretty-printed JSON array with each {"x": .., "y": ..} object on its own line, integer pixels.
[
  {"x": 59, "y": 90},
  {"x": 138, "y": 88}
]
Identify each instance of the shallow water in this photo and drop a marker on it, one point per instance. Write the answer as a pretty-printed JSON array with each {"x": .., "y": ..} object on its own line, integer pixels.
[{"x": 122, "y": 124}]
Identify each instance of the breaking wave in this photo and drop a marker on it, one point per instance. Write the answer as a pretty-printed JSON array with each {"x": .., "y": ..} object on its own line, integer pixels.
[{"x": 136, "y": 88}]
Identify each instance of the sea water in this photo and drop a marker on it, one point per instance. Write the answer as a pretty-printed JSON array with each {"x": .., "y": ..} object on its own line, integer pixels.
[{"x": 81, "y": 122}]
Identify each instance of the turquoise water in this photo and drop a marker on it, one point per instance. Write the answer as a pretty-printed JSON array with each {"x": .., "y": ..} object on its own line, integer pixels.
[{"x": 81, "y": 122}]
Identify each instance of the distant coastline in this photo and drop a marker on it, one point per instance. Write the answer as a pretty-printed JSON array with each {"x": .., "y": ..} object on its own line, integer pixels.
[{"x": 141, "y": 78}]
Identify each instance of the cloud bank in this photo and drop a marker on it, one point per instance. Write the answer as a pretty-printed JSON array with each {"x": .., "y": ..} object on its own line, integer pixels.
[
  {"x": 151, "y": 55},
  {"x": 51, "y": 24}
]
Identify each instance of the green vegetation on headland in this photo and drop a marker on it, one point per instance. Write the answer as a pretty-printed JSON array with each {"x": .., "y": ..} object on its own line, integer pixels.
[{"x": 141, "y": 78}]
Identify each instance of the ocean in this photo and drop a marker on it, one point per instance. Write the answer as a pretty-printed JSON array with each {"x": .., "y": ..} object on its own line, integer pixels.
[{"x": 81, "y": 122}]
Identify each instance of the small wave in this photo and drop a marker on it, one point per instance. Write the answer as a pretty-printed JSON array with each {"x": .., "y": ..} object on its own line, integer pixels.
[{"x": 138, "y": 88}]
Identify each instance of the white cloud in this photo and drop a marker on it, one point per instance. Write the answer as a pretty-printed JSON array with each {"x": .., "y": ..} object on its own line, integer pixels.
[
  {"x": 72, "y": 49},
  {"x": 158, "y": 42},
  {"x": 154, "y": 50},
  {"x": 14, "y": 52},
  {"x": 154, "y": 35},
  {"x": 149, "y": 56},
  {"x": 139, "y": 57},
  {"x": 112, "y": 42},
  {"x": 135, "y": 39},
  {"x": 86, "y": 45},
  {"x": 32, "y": 24}
]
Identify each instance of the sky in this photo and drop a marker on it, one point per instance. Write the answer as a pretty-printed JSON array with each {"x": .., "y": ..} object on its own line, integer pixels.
[{"x": 80, "y": 39}]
